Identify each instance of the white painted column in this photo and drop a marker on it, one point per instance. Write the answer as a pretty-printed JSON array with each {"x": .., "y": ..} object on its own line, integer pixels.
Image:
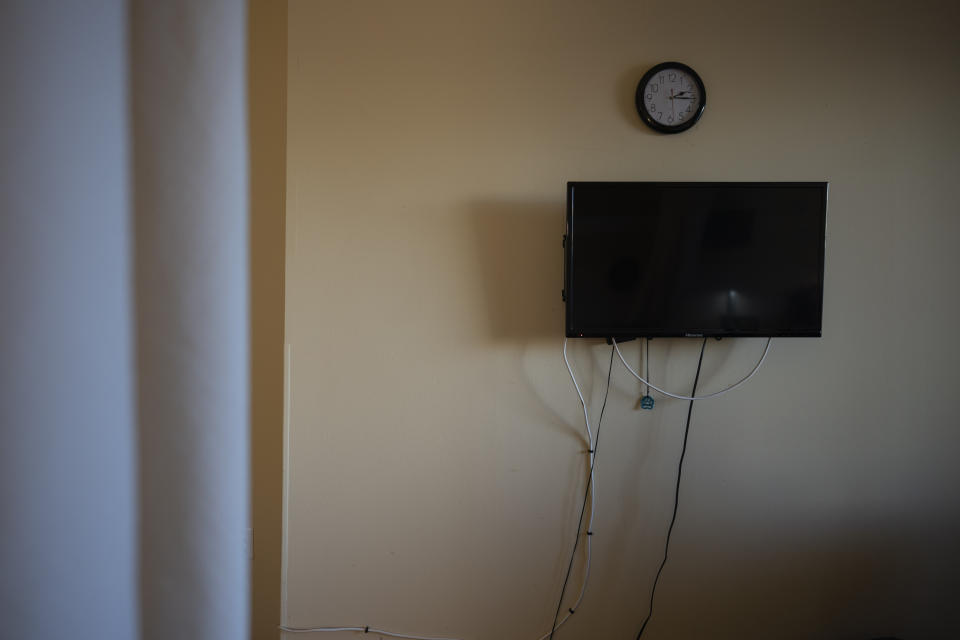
[
  {"x": 67, "y": 446},
  {"x": 190, "y": 183}
]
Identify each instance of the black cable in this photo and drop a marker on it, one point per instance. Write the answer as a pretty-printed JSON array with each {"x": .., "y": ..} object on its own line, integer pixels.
[
  {"x": 676, "y": 494},
  {"x": 595, "y": 448}
]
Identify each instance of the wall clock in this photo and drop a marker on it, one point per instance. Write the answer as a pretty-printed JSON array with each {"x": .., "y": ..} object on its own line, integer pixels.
[{"x": 670, "y": 97}]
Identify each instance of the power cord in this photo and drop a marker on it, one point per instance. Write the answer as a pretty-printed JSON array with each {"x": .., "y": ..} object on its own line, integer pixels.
[
  {"x": 367, "y": 629},
  {"x": 647, "y": 401},
  {"x": 676, "y": 494},
  {"x": 593, "y": 460}
]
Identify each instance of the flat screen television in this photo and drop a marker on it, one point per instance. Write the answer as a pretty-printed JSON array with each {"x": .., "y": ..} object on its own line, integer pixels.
[{"x": 670, "y": 259}]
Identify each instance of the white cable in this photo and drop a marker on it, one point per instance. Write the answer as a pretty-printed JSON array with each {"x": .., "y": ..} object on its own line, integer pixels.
[
  {"x": 361, "y": 629},
  {"x": 590, "y": 442},
  {"x": 704, "y": 397},
  {"x": 591, "y": 447},
  {"x": 586, "y": 418}
]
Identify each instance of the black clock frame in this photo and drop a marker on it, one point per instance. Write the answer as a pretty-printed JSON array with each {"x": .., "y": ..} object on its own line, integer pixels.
[{"x": 642, "y": 109}]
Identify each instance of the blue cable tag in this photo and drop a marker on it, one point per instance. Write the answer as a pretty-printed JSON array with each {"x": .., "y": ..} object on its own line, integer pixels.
[{"x": 646, "y": 402}]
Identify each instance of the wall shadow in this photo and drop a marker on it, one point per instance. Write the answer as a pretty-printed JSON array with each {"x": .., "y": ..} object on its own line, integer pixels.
[{"x": 520, "y": 259}]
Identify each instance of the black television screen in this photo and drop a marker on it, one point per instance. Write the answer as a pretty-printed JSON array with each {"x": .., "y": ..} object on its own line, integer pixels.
[{"x": 662, "y": 259}]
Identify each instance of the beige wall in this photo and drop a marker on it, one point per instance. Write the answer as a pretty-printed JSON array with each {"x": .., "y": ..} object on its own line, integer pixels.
[
  {"x": 434, "y": 459},
  {"x": 266, "y": 68}
]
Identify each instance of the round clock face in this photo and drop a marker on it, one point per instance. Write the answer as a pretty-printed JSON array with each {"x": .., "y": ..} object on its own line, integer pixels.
[{"x": 670, "y": 97}]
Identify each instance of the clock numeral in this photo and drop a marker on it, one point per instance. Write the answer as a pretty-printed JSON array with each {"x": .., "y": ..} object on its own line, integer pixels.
[
  {"x": 680, "y": 117},
  {"x": 650, "y": 97},
  {"x": 672, "y": 76},
  {"x": 670, "y": 119},
  {"x": 659, "y": 115},
  {"x": 654, "y": 87}
]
